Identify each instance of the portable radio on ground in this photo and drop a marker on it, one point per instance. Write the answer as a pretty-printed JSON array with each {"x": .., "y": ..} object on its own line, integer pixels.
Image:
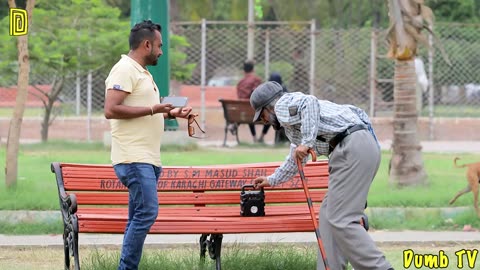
[{"x": 252, "y": 203}]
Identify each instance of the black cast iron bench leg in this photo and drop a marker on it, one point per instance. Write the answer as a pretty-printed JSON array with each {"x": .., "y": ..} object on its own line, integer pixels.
[
  {"x": 214, "y": 247},
  {"x": 70, "y": 231},
  {"x": 226, "y": 132},
  {"x": 203, "y": 247},
  {"x": 70, "y": 243}
]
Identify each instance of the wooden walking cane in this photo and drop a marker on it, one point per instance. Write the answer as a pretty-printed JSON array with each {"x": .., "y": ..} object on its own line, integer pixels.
[{"x": 310, "y": 206}]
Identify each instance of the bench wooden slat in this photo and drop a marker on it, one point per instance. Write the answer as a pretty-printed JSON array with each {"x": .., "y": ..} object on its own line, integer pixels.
[
  {"x": 111, "y": 184},
  {"x": 197, "y": 198},
  {"x": 174, "y": 178},
  {"x": 243, "y": 225},
  {"x": 97, "y": 167},
  {"x": 99, "y": 171},
  {"x": 192, "y": 200},
  {"x": 163, "y": 218},
  {"x": 271, "y": 210}
]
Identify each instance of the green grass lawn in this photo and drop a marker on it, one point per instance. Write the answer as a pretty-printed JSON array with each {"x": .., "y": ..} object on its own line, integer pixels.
[
  {"x": 29, "y": 112},
  {"x": 438, "y": 111},
  {"x": 36, "y": 186},
  {"x": 443, "y": 182},
  {"x": 453, "y": 111},
  {"x": 65, "y": 110},
  {"x": 267, "y": 256},
  {"x": 281, "y": 256},
  {"x": 37, "y": 190}
]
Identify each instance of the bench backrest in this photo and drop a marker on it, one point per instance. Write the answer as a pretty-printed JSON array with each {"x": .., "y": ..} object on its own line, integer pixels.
[
  {"x": 189, "y": 185},
  {"x": 237, "y": 110}
]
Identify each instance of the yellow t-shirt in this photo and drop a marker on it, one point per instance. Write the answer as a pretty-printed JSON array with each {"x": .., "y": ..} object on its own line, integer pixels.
[{"x": 136, "y": 139}]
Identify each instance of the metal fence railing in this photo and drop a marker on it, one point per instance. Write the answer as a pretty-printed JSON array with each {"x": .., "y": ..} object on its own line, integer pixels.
[
  {"x": 453, "y": 90},
  {"x": 341, "y": 65},
  {"x": 279, "y": 46}
]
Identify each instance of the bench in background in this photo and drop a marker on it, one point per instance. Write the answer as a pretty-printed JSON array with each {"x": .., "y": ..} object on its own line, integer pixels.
[
  {"x": 202, "y": 200},
  {"x": 236, "y": 112},
  {"x": 239, "y": 111}
]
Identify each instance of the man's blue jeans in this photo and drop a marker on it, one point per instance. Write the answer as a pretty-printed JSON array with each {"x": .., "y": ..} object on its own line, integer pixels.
[{"x": 141, "y": 180}]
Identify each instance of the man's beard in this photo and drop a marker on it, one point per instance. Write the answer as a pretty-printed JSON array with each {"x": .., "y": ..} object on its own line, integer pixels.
[
  {"x": 273, "y": 121},
  {"x": 152, "y": 59}
]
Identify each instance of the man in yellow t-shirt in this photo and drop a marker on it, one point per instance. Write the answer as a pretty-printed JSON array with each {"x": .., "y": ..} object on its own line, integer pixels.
[{"x": 132, "y": 103}]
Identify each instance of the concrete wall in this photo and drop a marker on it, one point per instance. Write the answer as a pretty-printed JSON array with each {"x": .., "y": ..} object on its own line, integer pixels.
[{"x": 75, "y": 128}]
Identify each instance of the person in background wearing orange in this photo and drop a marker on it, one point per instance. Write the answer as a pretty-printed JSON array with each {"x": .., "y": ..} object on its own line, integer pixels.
[{"x": 245, "y": 87}]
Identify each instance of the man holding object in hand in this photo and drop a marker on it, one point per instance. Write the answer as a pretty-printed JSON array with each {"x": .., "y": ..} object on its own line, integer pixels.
[
  {"x": 132, "y": 103},
  {"x": 345, "y": 135}
]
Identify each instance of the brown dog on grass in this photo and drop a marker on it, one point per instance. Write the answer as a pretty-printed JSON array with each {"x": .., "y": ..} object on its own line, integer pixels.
[{"x": 473, "y": 176}]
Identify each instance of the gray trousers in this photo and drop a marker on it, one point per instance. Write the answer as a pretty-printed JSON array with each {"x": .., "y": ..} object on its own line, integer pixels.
[{"x": 352, "y": 167}]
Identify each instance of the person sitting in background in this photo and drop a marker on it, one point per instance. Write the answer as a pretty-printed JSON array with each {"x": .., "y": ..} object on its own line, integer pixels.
[
  {"x": 280, "y": 136},
  {"x": 245, "y": 87},
  {"x": 276, "y": 77}
]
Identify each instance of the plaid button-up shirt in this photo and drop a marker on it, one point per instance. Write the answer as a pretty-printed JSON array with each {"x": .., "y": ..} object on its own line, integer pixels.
[{"x": 304, "y": 117}]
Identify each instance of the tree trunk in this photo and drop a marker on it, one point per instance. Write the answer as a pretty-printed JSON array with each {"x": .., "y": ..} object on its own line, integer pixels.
[
  {"x": 13, "y": 139},
  {"x": 57, "y": 87},
  {"x": 406, "y": 164},
  {"x": 45, "y": 124},
  {"x": 174, "y": 11}
]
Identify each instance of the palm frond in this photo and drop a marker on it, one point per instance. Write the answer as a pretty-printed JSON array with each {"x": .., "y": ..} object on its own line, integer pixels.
[{"x": 407, "y": 20}]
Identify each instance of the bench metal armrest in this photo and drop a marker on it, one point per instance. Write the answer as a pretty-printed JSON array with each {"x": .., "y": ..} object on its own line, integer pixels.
[
  {"x": 68, "y": 202},
  {"x": 68, "y": 205}
]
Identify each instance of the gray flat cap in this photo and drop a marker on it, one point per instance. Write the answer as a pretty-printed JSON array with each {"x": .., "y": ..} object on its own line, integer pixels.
[{"x": 263, "y": 95}]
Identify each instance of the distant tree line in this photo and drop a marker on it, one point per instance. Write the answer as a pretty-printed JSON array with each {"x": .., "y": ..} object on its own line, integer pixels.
[{"x": 328, "y": 13}]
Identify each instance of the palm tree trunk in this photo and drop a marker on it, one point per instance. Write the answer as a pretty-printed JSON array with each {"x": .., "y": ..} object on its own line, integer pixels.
[{"x": 406, "y": 164}]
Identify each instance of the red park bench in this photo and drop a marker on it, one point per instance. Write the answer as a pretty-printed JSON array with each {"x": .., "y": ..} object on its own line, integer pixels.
[
  {"x": 202, "y": 200},
  {"x": 236, "y": 112}
]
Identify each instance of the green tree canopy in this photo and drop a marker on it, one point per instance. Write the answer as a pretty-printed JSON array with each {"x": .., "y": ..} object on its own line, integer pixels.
[
  {"x": 464, "y": 11},
  {"x": 65, "y": 38},
  {"x": 328, "y": 13}
]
